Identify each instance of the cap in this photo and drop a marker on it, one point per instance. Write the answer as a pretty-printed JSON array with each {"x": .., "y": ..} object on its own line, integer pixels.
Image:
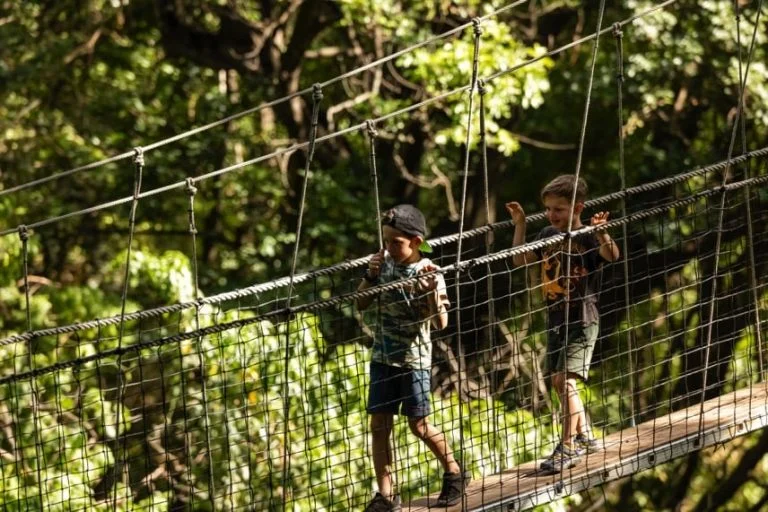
[{"x": 408, "y": 219}]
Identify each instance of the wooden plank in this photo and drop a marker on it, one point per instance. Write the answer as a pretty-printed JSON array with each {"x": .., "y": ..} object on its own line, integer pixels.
[{"x": 625, "y": 452}]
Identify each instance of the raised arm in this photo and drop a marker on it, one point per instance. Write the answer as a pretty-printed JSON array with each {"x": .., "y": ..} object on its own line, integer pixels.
[
  {"x": 518, "y": 217},
  {"x": 609, "y": 249},
  {"x": 371, "y": 278}
]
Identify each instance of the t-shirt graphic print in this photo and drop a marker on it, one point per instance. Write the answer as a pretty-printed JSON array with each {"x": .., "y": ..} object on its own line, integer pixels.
[{"x": 579, "y": 294}]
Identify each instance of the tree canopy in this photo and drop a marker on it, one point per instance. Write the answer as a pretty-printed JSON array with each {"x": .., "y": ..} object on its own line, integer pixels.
[{"x": 84, "y": 81}]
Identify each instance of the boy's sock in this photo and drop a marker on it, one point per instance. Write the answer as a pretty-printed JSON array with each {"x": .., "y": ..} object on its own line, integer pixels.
[{"x": 585, "y": 443}]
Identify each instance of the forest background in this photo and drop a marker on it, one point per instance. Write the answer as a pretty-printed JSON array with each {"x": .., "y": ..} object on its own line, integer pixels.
[{"x": 82, "y": 81}]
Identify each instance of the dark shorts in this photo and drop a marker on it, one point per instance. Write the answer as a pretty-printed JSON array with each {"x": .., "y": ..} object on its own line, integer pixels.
[
  {"x": 577, "y": 355},
  {"x": 396, "y": 389}
]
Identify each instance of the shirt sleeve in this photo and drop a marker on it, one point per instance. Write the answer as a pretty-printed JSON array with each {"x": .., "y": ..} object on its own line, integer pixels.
[
  {"x": 442, "y": 289},
  {"x": 442, "y": 292}
]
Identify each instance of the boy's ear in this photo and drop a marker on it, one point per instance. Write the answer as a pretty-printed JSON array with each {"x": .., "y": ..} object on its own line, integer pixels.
[
  {"x": 422, "y": 245},
  {"x": 578, "y": 208}
]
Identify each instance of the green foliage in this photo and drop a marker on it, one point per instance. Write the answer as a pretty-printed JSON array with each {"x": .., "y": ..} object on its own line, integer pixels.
[
  {"x": 87, "y": 80},
  {"x": 247, "y": 379},
  {"x": 163, "y": 279}
]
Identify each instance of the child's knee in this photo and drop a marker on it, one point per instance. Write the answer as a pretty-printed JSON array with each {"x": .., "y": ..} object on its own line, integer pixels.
[
  {"x": 572, "y": 381},
  {"x": 418, "y": 427}
]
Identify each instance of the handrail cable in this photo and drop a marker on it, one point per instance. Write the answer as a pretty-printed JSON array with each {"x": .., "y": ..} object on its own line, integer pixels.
[
  {"x": 359, "y": 262},
  {"x": 300, "y": 145},
  {"x": 262, "y": 106}
]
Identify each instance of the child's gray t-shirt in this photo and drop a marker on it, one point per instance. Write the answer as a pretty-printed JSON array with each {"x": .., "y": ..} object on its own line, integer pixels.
[{"x": 402, "y": 338}]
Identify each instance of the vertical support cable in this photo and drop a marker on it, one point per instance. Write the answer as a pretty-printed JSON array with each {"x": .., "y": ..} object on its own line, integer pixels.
[
  {"x": 246, "y": 402},
  {"x": 24, "y": 237},
  {"x": 580, "y": 153},
  {"x": 138, "y": 161},
  {"x": 713, "y": 297},
  {"x": 477, "y": 31},
  {"x": 585, "y": 117},
  {"x": 317, "y": 96},
  {"x": 191, "y": 192},
  {"x": 584, "y": 120},
  {"x": 721, "y": 215},
  {"x": 372, "y": 134},
  {"x": 481, "y": 90},
  {"x": 748, "y": 200},
  {"x": 565, "y": 406},
  {"x": 35, "y": 398},
  {"x": 617, "y": 33}
]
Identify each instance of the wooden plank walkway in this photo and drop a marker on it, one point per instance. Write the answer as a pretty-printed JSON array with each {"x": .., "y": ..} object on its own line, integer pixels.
[{"x": 629, "y": 451}]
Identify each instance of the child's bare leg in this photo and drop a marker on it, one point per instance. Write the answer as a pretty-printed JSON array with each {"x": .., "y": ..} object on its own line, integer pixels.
[
  {"x": 573, "y": 409},
  {"x": 578, "y": 418},
  {"x": 381, "y": 430},
  {"x": 435, "y": 441},
  {"x": 583, "y": 426}
]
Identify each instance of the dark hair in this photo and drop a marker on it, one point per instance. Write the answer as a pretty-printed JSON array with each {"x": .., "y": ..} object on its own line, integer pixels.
[{"x": 562, "y": 186}]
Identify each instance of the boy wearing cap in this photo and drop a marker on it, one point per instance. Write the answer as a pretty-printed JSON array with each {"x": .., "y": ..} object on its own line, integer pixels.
[
  {"x": 401, "y": 356},
  {"x": 571, "y": 304}
]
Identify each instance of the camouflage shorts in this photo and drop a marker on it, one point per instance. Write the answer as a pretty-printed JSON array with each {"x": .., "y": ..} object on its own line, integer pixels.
[{"x": 575, "y": 356}]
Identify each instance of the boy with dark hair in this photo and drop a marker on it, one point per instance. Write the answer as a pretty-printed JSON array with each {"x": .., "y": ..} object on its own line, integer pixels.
[
  {"x": 571, "y": 304},
  {"x": 401, "y": 357}
]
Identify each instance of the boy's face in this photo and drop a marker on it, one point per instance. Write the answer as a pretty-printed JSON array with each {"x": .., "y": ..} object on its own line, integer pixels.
[
  {"x": 558, "y": 209},
  {"x": 402, "y": 247}
]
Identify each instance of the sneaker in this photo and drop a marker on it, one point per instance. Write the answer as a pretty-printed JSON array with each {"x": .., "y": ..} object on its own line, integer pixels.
[
  {"x": 585, "y": 444},
  {"x": 561, "y": 458},
  {"x": 454, "y": 485},
  {"x": 381, "y": 504}
]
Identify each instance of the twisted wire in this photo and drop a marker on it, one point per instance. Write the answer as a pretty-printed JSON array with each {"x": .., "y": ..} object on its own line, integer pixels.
[
  {"x": 362, "y": 261},
  {"x": 345, "y": 298},
  {"x": 295, "y": 147}
]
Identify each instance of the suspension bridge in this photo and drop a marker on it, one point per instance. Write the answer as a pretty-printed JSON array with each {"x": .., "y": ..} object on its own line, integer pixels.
[{"x": 255, "y": 398}]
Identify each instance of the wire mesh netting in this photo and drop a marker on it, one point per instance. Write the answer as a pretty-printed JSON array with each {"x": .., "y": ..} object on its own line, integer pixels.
[{"x": 237, "y": 402}]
